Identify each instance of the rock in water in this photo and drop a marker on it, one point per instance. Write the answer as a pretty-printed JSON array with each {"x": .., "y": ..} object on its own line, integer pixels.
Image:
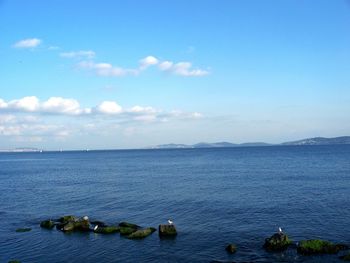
[
  {"x": 76, "y": 224},
  {"x": 142, "y": 233},
  {"x": 67, "y": 219},
  {"x": 167, "y": 230},
  {"x": 126, "y": 224},
  {"x": 20, "y": 230},
  {"x": 107, "y": 230},
  {"x": 317, "y": 246},
  {"x": 48, "y": 224},
  {"x": 277, "y": 242},
  {"x": 125, "y": 231},
  {"x": 231, "y": 248}
]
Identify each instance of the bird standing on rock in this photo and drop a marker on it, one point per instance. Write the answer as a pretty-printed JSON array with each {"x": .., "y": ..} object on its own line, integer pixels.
[
  {"x": 170, "y": 222},
  {"x": 280, "y": 230}
]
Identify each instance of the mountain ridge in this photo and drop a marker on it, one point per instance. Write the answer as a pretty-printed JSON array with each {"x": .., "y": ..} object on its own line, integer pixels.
[{"x": 307, "y": 141}]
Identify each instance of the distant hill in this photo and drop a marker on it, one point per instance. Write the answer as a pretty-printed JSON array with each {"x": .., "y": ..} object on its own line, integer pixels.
[
  {"x": 308, "y": 141},
  {"x": 320, "y": 141}
]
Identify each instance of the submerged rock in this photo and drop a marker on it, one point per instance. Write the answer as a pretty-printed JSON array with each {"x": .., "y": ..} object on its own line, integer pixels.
[
  {"x": 142, "y": 233},
  {"x": 107, "y": 229},
  {"x": 14, "y": 261},
  {"x": 345, "y": 257},
  {"x": 167, "y": 230},
  {"x": 231, "y": 248},
  {"x": 20, "y": 230},
  {"x": 317, "y": 246},
  {"x": 277, "y": 242},
  {"x": 48, "y": 224}
]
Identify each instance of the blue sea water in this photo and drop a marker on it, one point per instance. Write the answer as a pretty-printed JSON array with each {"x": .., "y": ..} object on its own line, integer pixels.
[{"x": 215, "y": 197}]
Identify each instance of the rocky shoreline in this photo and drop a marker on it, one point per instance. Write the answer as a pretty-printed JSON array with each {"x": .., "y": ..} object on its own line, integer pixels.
[{"x": 278, "y": 242}]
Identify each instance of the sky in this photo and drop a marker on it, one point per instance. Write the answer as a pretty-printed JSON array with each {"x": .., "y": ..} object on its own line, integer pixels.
[{"x": 133, "y": 74}]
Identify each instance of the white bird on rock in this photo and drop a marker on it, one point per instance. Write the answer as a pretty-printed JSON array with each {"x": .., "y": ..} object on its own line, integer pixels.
[
  {"x": 95, "y": 228},
  {"x": 280, "y": 230},
  {"x": 170, "y": 222}
]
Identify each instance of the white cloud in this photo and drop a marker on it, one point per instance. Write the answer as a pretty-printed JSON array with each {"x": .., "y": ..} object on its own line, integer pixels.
[
  {"x": 166, "y": 65},
  {"x": 3, "y": 104},
  {"x": 27, "y": 43},
  {"x": 146, "y": 118},
  {"x": 14, "y": 111},
  {"x": 182, "y": 69},
  {"x": 107, "y": 70},
  {"x": 79, "y": 54},
  {"x": 61, "y": 105},
  {"x": 30, "y": 104},
  {"x": 140, "y": 109},
  {"x": 148, "y": 61},
  {"x": 109, "y": 107}
]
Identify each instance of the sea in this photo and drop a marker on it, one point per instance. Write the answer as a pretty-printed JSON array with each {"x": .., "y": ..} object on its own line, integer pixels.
[{"x": 215, "y": 196}]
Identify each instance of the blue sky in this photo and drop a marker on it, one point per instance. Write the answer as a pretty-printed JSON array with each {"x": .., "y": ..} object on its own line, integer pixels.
[{"x": 128, "y": 74}]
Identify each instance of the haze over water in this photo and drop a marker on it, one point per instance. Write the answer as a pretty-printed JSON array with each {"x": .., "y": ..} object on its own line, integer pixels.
[{"x": 214, "y": 196}]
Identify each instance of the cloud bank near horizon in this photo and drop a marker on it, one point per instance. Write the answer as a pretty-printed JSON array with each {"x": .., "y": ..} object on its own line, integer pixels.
[{"x": 29, "y": 119}]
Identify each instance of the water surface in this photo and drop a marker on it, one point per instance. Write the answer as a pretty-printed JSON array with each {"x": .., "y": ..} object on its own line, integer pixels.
[{"x": 215, "y": 197}]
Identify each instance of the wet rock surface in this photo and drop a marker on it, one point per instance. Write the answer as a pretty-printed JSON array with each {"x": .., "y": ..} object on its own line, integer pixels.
[
  {"x": 167, "y": 230},
  {"x": 277, "y": 242}
]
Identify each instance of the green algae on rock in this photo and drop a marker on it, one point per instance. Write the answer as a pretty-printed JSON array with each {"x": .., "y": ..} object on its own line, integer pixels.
[
  {"x": 107, "y": 229},
  {"x": 125, "y": 231},
  {"x": 142, "y": 233},
  {"x": 277, "y": 242},
  {"x": 48, "y": 224},
  {"x": 317, "y": 246}
]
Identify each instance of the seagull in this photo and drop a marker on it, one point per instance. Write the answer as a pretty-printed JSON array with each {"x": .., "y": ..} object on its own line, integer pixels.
[
  {"x": 86, "y": 218},
  {"x": 280, "y": 230},
  {"x": 170, "y": 222},
  {"x": 95, "y": 228}
]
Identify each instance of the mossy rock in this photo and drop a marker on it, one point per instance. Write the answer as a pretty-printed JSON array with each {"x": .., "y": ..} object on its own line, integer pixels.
[
  {"x": 82, "y": 225},
  {"x": 317, "y": 246},
  {"x": 14, "y": 261},
  {"x": 67, "y": 219},
  {"x": 277, "y": 242},
  {"x": 231, "y": 248},
  {"x": 167, "y": 230},
  {"x": 142, "y": 233},
  {"x": 21, "y": 230},
  {"x": 48, "y": 224},
  {"x": 126, "y": 224},
  {"x": 107, "y": 230},
  {"x": 125, "y": 231},
  {"x": 345, "y": 257}
]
